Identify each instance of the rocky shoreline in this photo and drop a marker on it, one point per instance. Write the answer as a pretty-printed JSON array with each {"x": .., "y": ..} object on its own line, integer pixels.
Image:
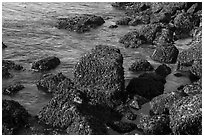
[{"x": 97, "y": 99}]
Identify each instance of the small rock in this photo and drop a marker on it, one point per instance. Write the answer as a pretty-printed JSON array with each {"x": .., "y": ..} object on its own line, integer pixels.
[
  {"x": 10, "y": 65},
  {"x": 46, "y": 64},
  {"x": 113, "y": 26},
  {"x": 137, "y": 102},
  {"x": 12, "y": 89},
  {"x": 123, "y": 21},
  {"x": 3, "y": 46},
  {"x": 5, "y": 73},
  {"x": 141, "y": 65}
]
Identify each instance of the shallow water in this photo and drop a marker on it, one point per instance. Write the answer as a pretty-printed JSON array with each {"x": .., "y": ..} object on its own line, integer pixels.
[{"x": 29, "y": 32}]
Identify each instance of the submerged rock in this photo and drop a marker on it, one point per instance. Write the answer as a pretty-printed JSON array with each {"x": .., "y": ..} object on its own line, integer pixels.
[
  {"x": 165, "y": 54},
  {"x": 80, "y": 23},
  {"x": 12, "y": 89},
  {"x": 14, "y": 116},
  {"x": 163, "y": 70},
  {"x": 186, "y": 116},
  {"x": 122, "y": 127},
  {"x": 101, "y": 73},
  {"x": 141, "y": 65},
  {"x": 161, "y": 104},
  {"x": 46, "y": 64},
  {"x": 155, "y": 125}
]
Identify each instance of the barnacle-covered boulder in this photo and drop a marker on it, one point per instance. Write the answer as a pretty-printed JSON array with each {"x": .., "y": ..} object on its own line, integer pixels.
[{"x": 186, "y": 116}]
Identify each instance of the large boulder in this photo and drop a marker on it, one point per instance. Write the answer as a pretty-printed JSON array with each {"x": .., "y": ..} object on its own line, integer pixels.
[
  {"x": 80, "y": 23},
  {"x": 146, "y": 85},
  {"x": 49, "y": 82},
  {"x": 101, "y": 73},
  {"x": 161, "y": 104},
  {"x": 141, "y": 65},
  {"x": 186, "y": 116},
  {"x": 163, "y": 70},
  {"x": 155, "y": 125},
  {"x": 46, "y": 64},
  {"x": 12, "y": 89},
  {"x": 132, "y": 40},
  {"x": 165, "y": 54},
  {"x": 14, "y": 117}
]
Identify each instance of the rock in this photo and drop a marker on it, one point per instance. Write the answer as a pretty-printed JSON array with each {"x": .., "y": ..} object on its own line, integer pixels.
[
  {"x": 46, "y": 64},
  {"x": 125, "y": 112},
  {"x": 101, "y": 73},
  {"x": 67, "y": 111},
  {"x": 194, "y": 8},
  {"x": 186, "y": 116},
  {"x": 196, "y": 68},
  {"x": 10, "y": 65},
  {"x": 130, "y": 116},
  {"x": 14, "y": 117},
  {"x": 121, "y": 5},
  {"x": 161, "y": 104},
  {"x": 163, "y": 70},
  {"x": 113, "y": 26},
  {"x": 155, "y": 125},
  {"x": 178, "y": 74},
  {"x": 139, "y": 19},
  {"x": 49, "y": 82},
  {"x": 5, "y": 73},
  {"x": 193, "y": 88},
  {"x": 137, "y": 101},
  {"x": 132, "y": 40},
  {"x": 3, "y": 46},
  {"x": 163, "y": 37},
  {"x": 12, "y": 89},
  {"x": 122, "y": 127},
  {"x": 163, "y": 17},
  {"x": 141, "y": 65},
  {"x": 146, "y": 86},
  {"x": 165, "y": 54},
  {"x": 123, "y": 21},
  {"x": 80, "y": 23}
]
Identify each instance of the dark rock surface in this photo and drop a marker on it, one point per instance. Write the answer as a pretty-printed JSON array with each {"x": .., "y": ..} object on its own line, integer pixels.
[
  {"x": 165, "y": 54},
  {"x": 10, "y": 65},
  {"x": 122, "y": 127},
  {"x": 113, "y": 26},
  {"x": 163, "y": 70},
  {"x": 46, "y": 64},
  {"x": 137, "y": 101},
  {"x": 80, "y": 23},
  {"x": 123, "y": 21},
  {"x": 186, "y": 116},
  {"x": 3, "y": 46},
  {"x": 148, "y": 86},
  {"x": 141, "y": 65},
  {"x": 101, "y": 73},
  {"x": 155, "y": 125},
  {"x": 12, "y": 89},
  {"x": 14, "y": 116},
  {"x": 161, "y": 104},
  {"x": 5, "y": 72}
]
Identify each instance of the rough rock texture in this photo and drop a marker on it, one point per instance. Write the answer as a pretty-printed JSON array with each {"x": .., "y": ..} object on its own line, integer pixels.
[
  {"x": 137, "y": 101},
  {"x": 3, "y": 46},
  {"x": 14, "y": 116},
  {"x": 163, "y": 37},
  {"x": 49, "y": 82},
  {"x": 5, "y": 72},
  {"x": 80, "y": 23},
  {"x": 132, "y": 40},
  {"x": 163, "y": 17},
  {"x": 162, "y": 103},
  {"x": 12, "y": 89},
  {"x": 139, "y": 19},
  {"x": 141, "y": 65},
  {"x": 46, "y": 64},
  {"x": 163, "y": 70},
  {"x": 155, "y": 125},
  {"x": 125, "y": 112},
  {"x": 10, "y": 65},
  {"x": 101, "y": 73},
  {"x": 196, "y": 68},
  {"x": 122, "y": 127},
  {"x": 193, "y": 88},
  {"x": 165, "y": 54},
  {"x": 123, "y": 21},
  {"x": 186, "y": 116},
  {"x": 147, "y": 85}
]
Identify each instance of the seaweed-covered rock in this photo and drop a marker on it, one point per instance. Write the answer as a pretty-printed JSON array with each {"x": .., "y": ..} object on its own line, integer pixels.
[
  {"x": 101, "y": 73},
  {"x": 46, "y": 64},
  {"x": 10, "y": 65},
  {"x": 141, "y": 65},
  {"x": 162, "y": 103},
  {"x": 132, "y": 40},
  {"x": 12, "y": 89},
  {"x": 137, "y": 101},
  {"x": 14, "y": 116},
  {"x": 165, "y": 54},
  {"x": 5, "y": 72},
  {"x": 148, "y": 86},
  {"x": 155, "y": 125},
  {"x": 193, "y": 88},
  {"x": 123, "y": 21},
  {"x": 186, "y": 116},
  {"x": 122, "y": 127},
  {"x": 163, "y": 37},
  {"x": 163, "y": 70},
  {"x": 49, "y": 82},
  {"x": 80, "y": 23},
  {"x": 3, "y": 46}
]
